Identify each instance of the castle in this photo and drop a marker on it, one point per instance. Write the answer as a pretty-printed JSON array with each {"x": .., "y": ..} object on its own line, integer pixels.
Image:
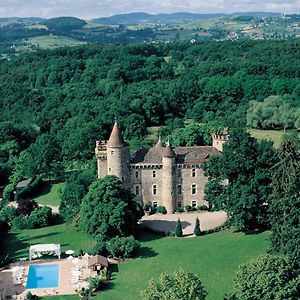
[{"x": 162, "y": 175}]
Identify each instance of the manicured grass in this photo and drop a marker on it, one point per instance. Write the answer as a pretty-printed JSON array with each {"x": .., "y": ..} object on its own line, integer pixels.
[
  {"x": 52, "y": 41},
  {"x": 214, "y": 257},
  {"x": 275, "y": 135},
  {"x": 50, "y": 195},
  {"x": 17, "y": 242}
]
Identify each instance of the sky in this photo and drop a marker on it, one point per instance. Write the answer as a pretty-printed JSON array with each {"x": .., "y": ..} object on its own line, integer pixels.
[{"x": 88, "y": 9}]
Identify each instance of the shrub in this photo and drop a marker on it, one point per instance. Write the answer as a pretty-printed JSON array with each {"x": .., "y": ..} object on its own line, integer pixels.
[
  {"x": 96, "y": 284},
  {"x": 20, "y": 222},
  {"x": 26, "y": 206},
  {"x": 170, "y": 233},
  {"x": 30, "y": 296},
  {"x": 40, "y": 217},
  {"x": 161, "y": 209},
  {"x": 178, "y": 229},
  {"x": 179, "y": 210},
  {"x": 123, "y": 246},
  {"x": 147, "y": 206},
  {"x": 8, "y": 213},
  {"x": 197, "y": 230},
  {"x": 202, "y": 208},
  {"x": 99, "y": 248},
  {"x": 188, "y": 208}
]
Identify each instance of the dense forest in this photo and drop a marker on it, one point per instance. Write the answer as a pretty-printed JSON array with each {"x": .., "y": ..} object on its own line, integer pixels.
[{"x": 54, "y": 104}]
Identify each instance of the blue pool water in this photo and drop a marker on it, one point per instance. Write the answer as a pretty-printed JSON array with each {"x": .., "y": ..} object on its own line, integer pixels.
[{"x": 42, "y": 276}]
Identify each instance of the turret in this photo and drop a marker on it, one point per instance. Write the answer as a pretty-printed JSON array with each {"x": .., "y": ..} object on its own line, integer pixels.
[
  {"x": 101, "y": 155},
  {"x": 168, "y": 161},
  {"x": 219, "y": 139},
  {"x": 117, "y": 155}
]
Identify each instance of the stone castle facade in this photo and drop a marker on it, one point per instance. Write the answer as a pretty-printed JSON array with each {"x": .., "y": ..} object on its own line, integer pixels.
[{"x": 166, "y": 176}]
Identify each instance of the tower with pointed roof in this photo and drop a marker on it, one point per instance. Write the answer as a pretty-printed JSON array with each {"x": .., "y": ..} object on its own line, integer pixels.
[
  {"x": 113, "y": 156},
  {"x": 117, "y": 155}
]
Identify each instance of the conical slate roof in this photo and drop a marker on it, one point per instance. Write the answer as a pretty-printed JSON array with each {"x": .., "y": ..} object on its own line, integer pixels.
[
  {"x": 116, "y": 140},
  {"x": 168, "y": 151}
]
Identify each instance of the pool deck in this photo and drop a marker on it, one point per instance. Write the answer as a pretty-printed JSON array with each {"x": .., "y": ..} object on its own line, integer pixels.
[{"x": 65, "y": 285}]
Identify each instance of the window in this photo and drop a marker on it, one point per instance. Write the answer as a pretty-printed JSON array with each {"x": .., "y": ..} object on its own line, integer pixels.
[
  {"x": 154, "y": 189},
  {"x": 137, "y": 190},
  {"x": 178, "y": 172},
  {"x": 194, "y": 203},
  {"x": 153, "y": 174},
  {"x": 154, "y": 204},
  {"x": 109, "y": 169},
  {"x": 179, "y": 204},
  {"x": 179, "y": 189},
  {"x": 194, "y": 189},
  {"x": 112, "y": 152},
  {"x": 193, "y": 172},
  {"x": 136, "y": 174}
]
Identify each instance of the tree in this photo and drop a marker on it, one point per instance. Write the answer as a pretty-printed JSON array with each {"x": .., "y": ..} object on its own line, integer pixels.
[
  {"x": 285, "y": 201},
  {"x": 274, "y": 112},
  {"x": 197, "y": 230},
  {"x": 109, "y": 210},
  {"x": 239, "y": 180},
  {"x": 41, "y": 158},
  {"x": 76, "y": 188},
  {"x": 178, "y": 229},
  {"x": 180, "y": 285},
  {"x": 26, "y": 206},
  {"x": 265, "y": 278},
  {"x": 123, "y": 246}
]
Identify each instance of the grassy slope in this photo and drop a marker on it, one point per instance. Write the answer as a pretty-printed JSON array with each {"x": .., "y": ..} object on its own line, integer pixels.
[
  {"x": 50, "y": 195},
  {"x": 18, "y": 241},
  {"x": 47, "y": 41}
]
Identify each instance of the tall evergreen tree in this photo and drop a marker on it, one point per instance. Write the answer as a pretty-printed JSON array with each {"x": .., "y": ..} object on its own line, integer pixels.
[
  {"x": 285, "y": 201},
  {"x": 197, "y": 230},
  {"x": 178, "y": 229}
]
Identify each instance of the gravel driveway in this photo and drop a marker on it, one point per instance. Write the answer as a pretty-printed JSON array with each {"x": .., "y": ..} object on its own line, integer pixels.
[{"x": 208, "y": 220}]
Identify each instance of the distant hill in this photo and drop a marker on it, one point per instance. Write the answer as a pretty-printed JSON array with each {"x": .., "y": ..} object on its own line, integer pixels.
[
  {"x": 12, "y": 20},
  {"x": 64, "y": 23},
  {"x": 179, "y": 17}
]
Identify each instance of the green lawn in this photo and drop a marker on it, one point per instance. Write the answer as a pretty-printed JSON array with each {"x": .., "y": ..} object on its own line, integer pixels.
[
  {"x": 50, "y": 195},
  {"x": 52, "y": 41},
  {"x": 275, "y": 135},
  {"x": 17, "y": 242},
  {"x": 214, "y": 257}
]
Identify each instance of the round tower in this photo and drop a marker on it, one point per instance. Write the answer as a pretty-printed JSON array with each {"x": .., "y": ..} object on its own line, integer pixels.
[
  {"x": 117, "y": 155},
  {"x": 168, "y": 161}
]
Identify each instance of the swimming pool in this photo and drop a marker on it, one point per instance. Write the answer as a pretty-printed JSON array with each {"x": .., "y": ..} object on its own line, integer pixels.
[{"x": 42, "y": 276}]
